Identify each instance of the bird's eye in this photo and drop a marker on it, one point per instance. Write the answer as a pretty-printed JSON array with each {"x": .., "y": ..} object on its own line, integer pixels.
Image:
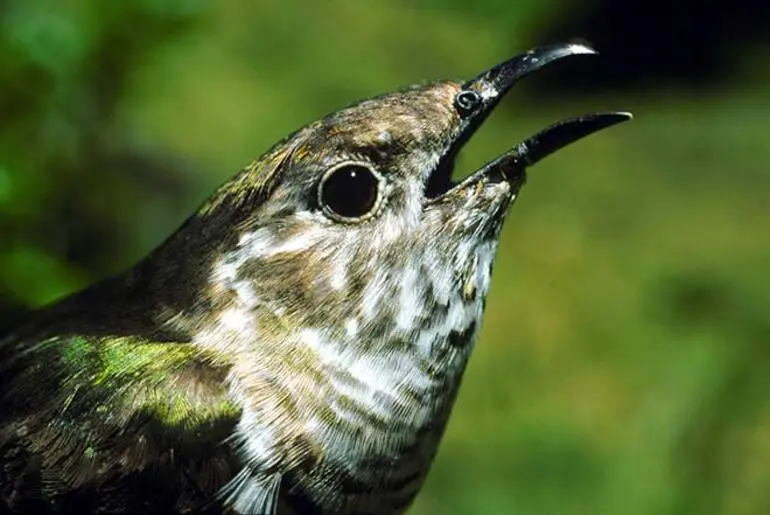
[
  {"x": 467, "y": 102},
  {"x": 350, "y": 192}
]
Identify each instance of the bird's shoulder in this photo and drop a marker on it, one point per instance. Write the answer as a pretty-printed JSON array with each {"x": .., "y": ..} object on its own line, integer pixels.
[{"x": 85, "y": 414}]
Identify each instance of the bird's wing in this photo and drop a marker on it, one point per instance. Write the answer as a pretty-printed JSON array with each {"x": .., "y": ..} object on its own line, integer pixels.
[{"x": 111, "y": 424}]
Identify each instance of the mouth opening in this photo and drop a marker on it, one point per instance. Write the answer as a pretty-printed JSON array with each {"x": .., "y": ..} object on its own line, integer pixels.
[
  {"x": 440, "y": 181},
  {"x": 511, "y": 166},
  {"x": 490, "y": 86}
]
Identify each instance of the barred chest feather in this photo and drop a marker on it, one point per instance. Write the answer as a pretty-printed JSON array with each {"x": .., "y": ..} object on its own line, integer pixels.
[{"x": 346, "y": 416}]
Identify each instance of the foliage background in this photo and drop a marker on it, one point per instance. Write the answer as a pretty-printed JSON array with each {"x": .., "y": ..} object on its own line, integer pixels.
[{"x": 623, "y": 365}]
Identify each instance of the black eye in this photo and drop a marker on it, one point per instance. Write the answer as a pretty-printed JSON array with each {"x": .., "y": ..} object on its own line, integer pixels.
[
  {"x": 349, "y": 191},
  {"x": 467, "y": 102}
]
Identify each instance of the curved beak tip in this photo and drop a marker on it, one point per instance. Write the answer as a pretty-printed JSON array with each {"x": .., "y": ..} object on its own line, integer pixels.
[{"x": 581, "y": 48}]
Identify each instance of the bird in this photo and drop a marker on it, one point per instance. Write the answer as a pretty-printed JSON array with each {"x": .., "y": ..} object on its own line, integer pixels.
[{"x": 297, "y": 345}]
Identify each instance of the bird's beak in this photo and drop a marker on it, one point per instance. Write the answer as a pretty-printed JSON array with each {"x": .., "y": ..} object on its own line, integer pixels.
[{"x": 493, "y": 84}]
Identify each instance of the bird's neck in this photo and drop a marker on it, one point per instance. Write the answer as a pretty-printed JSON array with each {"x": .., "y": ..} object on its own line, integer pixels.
[{"x": 369, "y": 387}]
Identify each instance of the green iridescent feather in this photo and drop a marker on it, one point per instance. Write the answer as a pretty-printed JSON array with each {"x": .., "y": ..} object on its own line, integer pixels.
[{"x": 93, "y": 413}]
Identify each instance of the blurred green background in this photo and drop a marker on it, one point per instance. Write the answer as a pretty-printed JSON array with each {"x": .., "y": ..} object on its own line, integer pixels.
[{"x": 624, "y": 364}]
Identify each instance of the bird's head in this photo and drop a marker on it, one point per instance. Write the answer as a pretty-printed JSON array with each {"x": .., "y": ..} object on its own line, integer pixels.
[{"x": 353, "y": 225}]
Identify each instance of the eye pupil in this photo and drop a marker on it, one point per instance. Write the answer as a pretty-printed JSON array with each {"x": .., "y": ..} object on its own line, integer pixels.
[
  {"x": 467, "y": 102},
  {"x": 349, "y": 191}
]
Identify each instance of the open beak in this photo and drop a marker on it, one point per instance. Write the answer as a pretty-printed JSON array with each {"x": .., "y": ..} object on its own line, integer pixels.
[{"x": 490, "y": 87}]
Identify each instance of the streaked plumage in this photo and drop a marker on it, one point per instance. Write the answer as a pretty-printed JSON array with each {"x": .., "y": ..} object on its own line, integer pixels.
[{"x": 297, "y": 346}]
